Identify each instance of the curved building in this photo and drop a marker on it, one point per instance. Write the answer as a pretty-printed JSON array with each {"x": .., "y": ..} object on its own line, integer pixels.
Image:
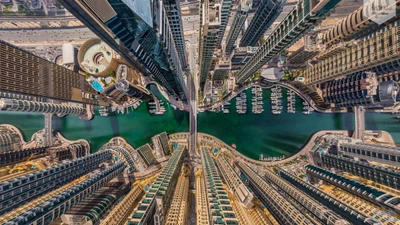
[
  {"x": 9, "y": 141},
  {"x": 97, "y": 58}
]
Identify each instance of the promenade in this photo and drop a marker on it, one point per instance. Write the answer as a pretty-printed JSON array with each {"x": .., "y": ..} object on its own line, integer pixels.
[{"x": 304, "y": 151}]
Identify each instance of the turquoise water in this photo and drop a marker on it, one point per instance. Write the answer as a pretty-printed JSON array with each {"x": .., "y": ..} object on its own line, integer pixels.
[
  {"x": 96, "y": 86},
  {"x": 266, "y": 133},
  {"x": 254, "y": 134}
]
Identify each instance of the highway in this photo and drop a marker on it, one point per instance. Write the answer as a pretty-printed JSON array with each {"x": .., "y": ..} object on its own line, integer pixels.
[
  {"x": 37, "y": 18},
  {"x": 359, "y": 120},
  {"x": 48, "y": 130},
  {"x": 32, "y": 35},
  {"x": 192, "y": 93}
]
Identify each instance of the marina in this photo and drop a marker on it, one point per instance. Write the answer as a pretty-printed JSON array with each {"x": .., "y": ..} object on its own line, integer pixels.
[
  {"x": 225, "y": 110},
  {"x": 139, "y": 126},
  {"x": 157, "y": 107},
  {"x": 307, "y": 108},
  {"x": 241, "y": 103},
  {"x": 103, "y": 111},
  {"x": 291, "y": 101},
  {"x": 257, "y": 100},
  {"x": 276, "y": 102}
]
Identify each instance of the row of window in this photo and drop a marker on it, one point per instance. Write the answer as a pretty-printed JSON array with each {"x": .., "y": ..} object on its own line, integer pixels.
[{"x": 393, "y": 158}]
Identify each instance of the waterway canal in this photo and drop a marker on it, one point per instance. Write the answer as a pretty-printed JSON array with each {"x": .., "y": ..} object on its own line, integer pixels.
[{"x": 254, "y": 134}]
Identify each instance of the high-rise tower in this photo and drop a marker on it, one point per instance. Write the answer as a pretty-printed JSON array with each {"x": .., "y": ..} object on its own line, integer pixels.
[
  {"x": 173, "y": 10},
  {"x": 141, "y": 33},
  {"x": 237, "y": 24},
  {"x": 25, "y": 73},
  {"x": 299, "y": 20},
  {"x": 40, "y": 107},
  {"x": 211, "y": 22},
  {"x": 226, "y": 6},
  {"x": 265, "y": 15}
]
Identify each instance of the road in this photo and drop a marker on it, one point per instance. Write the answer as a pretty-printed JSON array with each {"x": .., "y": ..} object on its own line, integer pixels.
[
  {"x": 48, "y": 130},
  {"x": 37, "y": 18},
  {"x": 192, "y": 93},
  {"x": 359, "y": 119},
  {"x": 30, "y": 35}
]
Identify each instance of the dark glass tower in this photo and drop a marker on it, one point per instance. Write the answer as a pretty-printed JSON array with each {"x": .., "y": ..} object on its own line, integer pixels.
[{"x": 139, "y": 31}]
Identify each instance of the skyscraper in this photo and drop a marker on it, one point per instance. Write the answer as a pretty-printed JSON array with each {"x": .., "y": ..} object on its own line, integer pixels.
[
  {"x": 98, "y": 59},
  {"x": 237, "y": 24},
  {"x": 378, "y": 52},
  {"x": 173, "y": 9},
  {"x": 25, "y": 73},
  {"x": 277, "y": 204},
  {"x": 235, "y": 184},
  {"x": 154, "y": 207},
  {"x": 218, "y": 205},
  {"x": 40, "y": 107},
  {"x": 211, "y": 15},
  {"x": 143, "y": 32},
  {"x": 360, "y": 89},
  {"x": 51, "y": 209},
  {"x": 299, "y": 19},
  {"x": 66, "y": 172},
  {"x": 145, "y": 152},
  {"x": 226, "y": 6},
  {"x": 160, "y": 142},
  {"x": 9, "y": 141},
  {"x": 263, "y": 18}
]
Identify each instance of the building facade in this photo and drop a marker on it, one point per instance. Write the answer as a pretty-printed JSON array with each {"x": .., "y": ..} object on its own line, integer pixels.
[
  {"x": 344, "y": 154},
  {"x": 234, "y": 183},
  {"x": 370, "y": 194},
  {"x": 220, "y": 210},
  {"x": 25, "y": 73},
  {"x": 146, "y": 153},
  {"x": 94, "y": 207},
  {"x": 142, "y": 37},
  {"x": 349, "y": 213},
  {"x": 360, "y": 89},
  {"x": 40, "y": 107},
  {"x": 153, "y": 208},
  {"x": 52, "y": 209},
  {"x": 173, "y": 10},
  {"x": 266, "y": 14},
  {"x": 161, "y": 146},
  {"x": 299, "y": 20},
  {"x": 237, "y": 25},
  {"x": 226, "y": 6},
  {"x": 278, "y": 205},
  {"x": 9, "y": 140},
  {"x": 59, "y": 175},
  {"x": 378, "y": 52},
  {"x": 210, "y": 26}
]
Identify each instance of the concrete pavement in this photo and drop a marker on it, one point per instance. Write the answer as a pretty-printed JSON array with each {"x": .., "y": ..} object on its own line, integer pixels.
[
  {"x": 30, "y": 35},
  {"x": 192, "y": 81},
  {"x": 359, "y": 120}
]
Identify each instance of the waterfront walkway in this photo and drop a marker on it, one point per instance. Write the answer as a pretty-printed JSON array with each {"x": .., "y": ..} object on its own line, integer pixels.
[
  {"x": 233, "y": 152},
  {"x": 302, "y": 95}
]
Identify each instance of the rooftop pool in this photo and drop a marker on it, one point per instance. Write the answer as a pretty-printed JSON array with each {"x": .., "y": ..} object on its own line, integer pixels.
[{"x": 96, "y": 85}]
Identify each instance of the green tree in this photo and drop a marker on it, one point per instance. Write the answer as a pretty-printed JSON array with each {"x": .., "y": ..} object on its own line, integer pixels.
[{"x": 112, "y": 73}]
